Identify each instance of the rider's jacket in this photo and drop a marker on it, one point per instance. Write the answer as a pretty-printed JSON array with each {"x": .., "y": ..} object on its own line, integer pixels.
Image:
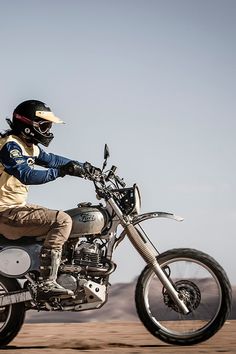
[{"x": 17, "y": 162}]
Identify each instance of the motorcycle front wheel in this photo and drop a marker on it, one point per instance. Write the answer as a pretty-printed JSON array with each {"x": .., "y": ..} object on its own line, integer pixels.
[
  {"x": 203, "y": 285},
  {"x": 12, "y": 316}
]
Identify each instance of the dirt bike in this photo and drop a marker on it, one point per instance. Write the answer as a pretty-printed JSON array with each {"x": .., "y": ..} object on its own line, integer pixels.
[{"x": 183, "y": 296}]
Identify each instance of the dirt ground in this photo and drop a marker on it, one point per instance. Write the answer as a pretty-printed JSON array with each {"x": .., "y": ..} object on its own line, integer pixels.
[{"x": 109, "y": 337}]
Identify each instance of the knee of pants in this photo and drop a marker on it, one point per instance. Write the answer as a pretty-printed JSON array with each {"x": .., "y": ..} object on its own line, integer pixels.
[{"x": 64, "y": 223}]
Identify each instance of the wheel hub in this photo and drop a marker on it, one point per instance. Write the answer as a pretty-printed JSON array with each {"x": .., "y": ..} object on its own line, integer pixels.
[{"x": 188, "y": 292}]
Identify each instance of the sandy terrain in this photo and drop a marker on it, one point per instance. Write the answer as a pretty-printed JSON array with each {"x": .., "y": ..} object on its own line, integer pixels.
[{"x": 109, "y": 337}]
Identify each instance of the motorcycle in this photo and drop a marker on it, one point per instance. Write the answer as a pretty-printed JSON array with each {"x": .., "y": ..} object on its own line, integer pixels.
[{"x": 183, "y": 296}]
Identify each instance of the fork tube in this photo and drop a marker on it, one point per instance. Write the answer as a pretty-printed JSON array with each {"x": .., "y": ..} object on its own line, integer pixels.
[
  {"x": 117, "y": 210},
  {"x": 149, "y": 254}
]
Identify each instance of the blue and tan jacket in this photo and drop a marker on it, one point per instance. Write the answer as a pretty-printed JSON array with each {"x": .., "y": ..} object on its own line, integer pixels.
[{"x": 17, "y": 161}]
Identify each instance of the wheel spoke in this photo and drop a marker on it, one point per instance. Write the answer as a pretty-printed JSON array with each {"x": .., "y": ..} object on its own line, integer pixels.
[
  {"x": 189, "y": 278},
  {"x": 5, "y": 312}
]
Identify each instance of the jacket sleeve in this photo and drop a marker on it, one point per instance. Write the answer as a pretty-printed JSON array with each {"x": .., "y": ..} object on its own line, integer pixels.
[
  {"x": 21, "y": 167},
  {"x": 50, "y": 160}
]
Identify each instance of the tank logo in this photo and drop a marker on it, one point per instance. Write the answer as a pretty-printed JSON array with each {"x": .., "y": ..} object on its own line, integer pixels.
[{"x": 86, "y": 217}]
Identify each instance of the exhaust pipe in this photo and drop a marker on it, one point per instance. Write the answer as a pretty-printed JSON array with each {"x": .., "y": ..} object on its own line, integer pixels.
[{"x": 15, "y": 297}]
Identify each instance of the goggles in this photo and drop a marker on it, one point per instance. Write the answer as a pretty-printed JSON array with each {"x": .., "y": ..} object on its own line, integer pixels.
[{"x": 41, "y": 125}]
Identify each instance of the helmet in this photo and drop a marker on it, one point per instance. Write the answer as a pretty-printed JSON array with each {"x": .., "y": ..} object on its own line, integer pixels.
[{"x": 33, "y": 119}]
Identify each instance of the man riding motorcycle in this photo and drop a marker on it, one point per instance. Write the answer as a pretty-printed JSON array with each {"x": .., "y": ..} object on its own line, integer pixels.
[{"x": 19, "y": 153}]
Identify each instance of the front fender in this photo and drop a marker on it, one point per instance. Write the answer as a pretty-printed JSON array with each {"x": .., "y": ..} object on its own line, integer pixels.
[
  {"x": 142, "y": 217},
  {"x": 156, "y": 214}
]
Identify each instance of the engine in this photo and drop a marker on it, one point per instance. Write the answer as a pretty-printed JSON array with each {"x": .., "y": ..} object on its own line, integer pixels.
[
  {"x": 87, "y": 254},
  {"x": 87, "y": 261}
]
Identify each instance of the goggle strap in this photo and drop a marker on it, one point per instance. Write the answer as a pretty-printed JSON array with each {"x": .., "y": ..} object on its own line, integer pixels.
[{"x": 23, "y": 119}]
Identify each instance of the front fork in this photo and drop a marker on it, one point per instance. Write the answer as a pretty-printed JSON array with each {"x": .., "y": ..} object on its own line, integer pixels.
[{"x": 149, "y": 254}]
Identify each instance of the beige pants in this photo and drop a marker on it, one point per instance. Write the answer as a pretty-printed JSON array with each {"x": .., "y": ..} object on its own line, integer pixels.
[{"x": 34, "y": 220}]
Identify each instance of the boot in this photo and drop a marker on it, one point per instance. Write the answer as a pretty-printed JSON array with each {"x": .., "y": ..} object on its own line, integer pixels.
[{"x": 48, "y": 287}]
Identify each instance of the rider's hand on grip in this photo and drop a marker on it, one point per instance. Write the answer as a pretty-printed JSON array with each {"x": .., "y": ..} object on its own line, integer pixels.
[
  {"x": 91, "y": 171},
  {"x": 72, "y": 168}
]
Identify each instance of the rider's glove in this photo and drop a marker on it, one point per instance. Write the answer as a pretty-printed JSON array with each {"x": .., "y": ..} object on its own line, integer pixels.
[
  {"x": 74, "y": 168},
  {"x": 90, "y": 170}
]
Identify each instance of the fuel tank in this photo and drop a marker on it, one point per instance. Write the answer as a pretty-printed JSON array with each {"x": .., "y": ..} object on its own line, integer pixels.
[{"x": 88, "y": 219}]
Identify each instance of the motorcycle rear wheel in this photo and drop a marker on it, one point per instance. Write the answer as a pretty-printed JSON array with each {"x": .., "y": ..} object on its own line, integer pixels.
[
  {"x": 12, "y": 316},
  {"x": 201, "y": 282}
]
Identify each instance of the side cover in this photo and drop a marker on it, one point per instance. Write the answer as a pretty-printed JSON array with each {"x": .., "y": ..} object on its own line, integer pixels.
[{"x": 18, "y": 257}]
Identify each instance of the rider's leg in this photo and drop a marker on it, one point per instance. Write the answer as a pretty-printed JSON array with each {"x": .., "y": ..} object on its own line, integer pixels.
[{"x": 32, "y": 220}]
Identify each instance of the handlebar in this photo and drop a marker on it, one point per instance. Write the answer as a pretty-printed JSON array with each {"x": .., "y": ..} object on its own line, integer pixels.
[{"x": 100, "y": 177}]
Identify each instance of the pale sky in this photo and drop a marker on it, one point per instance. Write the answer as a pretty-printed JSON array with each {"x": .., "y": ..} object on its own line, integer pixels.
[{"x": 156, "y": 80}]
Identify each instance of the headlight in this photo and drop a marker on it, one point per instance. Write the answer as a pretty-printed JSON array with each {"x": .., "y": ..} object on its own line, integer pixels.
[{"x": 128, "y": 199}]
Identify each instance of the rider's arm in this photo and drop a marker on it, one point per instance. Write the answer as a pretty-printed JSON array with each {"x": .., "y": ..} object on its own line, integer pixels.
[
  {"x": 65, "y": 165},
  {"x": 21, "y": 167},
  {"x": 50, "y": 160}
]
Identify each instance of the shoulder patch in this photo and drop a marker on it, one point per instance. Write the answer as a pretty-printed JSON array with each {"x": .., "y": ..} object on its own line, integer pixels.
[
  {"x": 20, "y": 161},
  {"x": 15, "y": 153}
]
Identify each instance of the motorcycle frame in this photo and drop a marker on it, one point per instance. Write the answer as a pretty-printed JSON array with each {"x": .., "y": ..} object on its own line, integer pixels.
[{"x": 139, "y": 240}]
